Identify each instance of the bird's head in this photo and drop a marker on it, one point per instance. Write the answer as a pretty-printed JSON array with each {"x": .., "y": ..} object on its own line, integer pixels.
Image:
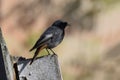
[{"x": 60, "y": 24}]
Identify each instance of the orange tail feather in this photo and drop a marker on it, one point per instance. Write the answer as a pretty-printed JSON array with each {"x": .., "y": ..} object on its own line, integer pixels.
[{"x": 36, "y": 53}]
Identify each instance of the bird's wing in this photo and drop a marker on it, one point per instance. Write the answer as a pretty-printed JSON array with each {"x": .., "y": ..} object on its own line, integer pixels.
[{"x": 43, "y": 39}]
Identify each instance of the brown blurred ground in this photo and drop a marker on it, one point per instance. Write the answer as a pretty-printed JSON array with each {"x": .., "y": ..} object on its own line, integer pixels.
[{"x": 90, "y": 50}]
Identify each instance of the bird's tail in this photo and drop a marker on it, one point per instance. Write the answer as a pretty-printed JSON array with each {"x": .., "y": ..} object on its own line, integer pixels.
[{"x": 35, "y": 55}]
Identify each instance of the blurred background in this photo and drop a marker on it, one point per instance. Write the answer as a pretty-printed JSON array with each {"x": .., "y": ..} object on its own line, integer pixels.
[{"x": 91, "y": 47}]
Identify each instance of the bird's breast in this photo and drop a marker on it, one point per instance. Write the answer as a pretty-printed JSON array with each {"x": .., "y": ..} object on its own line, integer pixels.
[{"x": 55, "y": 41}]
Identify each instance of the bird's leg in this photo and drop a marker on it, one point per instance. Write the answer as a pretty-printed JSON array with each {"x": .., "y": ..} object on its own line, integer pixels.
[
  {"x": 53, "y": 52},
  {"x": 47, "y": 51}
]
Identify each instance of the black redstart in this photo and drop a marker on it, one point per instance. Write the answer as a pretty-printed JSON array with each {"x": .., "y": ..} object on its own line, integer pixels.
[{"x": 50, "y": 38}]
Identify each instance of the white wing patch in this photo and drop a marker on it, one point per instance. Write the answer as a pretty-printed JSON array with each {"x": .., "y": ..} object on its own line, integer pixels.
[{"x": 49, "y": 36}]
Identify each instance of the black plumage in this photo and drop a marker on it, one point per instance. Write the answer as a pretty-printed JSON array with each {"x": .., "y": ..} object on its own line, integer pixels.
[{"x": 50, "y": 38}]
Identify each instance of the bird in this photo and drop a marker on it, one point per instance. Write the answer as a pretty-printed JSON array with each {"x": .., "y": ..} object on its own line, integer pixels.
[{"x": 50, "y": 38}]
